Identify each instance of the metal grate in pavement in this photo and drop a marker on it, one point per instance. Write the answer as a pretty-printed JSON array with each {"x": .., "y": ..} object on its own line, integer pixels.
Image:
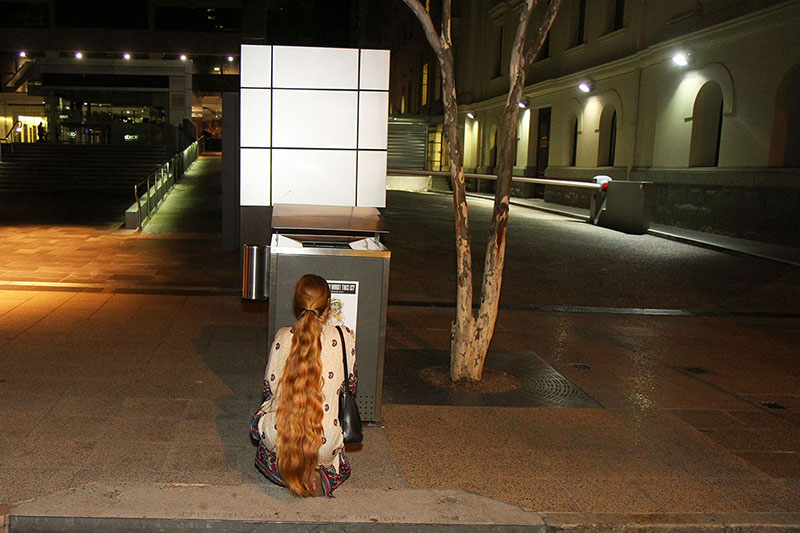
[{"x": 541, "y": 384}]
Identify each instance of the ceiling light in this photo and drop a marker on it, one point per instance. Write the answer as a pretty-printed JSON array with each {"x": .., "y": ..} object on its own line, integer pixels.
[
  {"x": 22, "y": 53},
  {"x": 523, "y": 104},
  {"x": 680, "y": 59},
  {"x": 78, "y": 55},
  {"x": 183, "y": 57},
  {"x": 126, "y": 55},
  {"x": 586, "y": 86},
  {"x": 471, "y": 115}
]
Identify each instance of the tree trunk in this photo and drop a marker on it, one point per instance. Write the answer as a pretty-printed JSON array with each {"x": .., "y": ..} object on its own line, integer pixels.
[{"x": 470, "y": 334}]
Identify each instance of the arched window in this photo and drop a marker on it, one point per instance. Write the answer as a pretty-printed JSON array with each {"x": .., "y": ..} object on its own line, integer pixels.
[
  {"x": 573, "y": 144},
  {"x": 706, "y": 126},
  {"x": 607, "y": 142},
  {"x": 785, "y": 145}
]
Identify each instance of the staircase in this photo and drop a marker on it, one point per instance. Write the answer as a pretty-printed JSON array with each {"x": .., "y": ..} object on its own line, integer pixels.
[{"x": 38, "y": 167}]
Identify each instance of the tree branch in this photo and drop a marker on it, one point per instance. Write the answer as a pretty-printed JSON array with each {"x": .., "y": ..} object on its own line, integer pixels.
[
  {"x": 542, "y": 32},
  {"x": 427, "y": 26}
]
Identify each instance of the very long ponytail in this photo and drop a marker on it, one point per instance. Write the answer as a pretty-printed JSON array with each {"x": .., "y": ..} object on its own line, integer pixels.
[{"x": 299, "y": 413}]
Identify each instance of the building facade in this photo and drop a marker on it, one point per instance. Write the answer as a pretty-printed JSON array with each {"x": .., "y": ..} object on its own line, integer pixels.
[{"x": 699, "y": 97}]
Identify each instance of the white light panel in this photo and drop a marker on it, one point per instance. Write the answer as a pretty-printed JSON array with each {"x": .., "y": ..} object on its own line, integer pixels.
[
  {"x": 255, "y": 66},
  {"x": 314, "y": 177},
  {"x": 254, "y": 177},
  {"x": 255, "y": 124},
  {"x": 373, "y": 125},
  {"x": 315, "y": 68},
  {"x": 315, "y": 119},
  {"x": 374, "y": 70},
  {"x": 371, "y": 179},
  {"x": 313, "y": 125}
]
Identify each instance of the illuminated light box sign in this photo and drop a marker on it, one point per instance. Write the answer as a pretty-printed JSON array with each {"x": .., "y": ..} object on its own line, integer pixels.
[{"x": 313, "y": 126}]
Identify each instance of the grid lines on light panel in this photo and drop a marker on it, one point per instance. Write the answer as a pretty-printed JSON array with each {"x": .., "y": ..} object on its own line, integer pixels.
[{"x": 322, "y": 116}]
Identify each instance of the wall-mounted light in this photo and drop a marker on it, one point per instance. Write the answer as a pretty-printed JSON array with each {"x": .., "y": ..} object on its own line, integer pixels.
[
  {"x": 523, "y": 104},
  {"x": 586, "y": 86},
  {"x": 183, "y": 57},
  {"x": 681, "y": 59},
  {"x": 22, "y": 53},
  {"x": 230, "y": 59},
  {"x": 126, "y": 55},
  {"x": 78, "y": 55},
  {"x": 471, "y": 115}
]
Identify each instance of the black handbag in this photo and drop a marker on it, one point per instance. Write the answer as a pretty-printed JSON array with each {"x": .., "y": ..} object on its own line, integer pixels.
[{"x": 349, "y": 419}]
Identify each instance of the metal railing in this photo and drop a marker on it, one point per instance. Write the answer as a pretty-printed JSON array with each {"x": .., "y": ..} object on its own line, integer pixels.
[
  {"x": 158, "y": 184},
  {"x": 596, "y": 205},
  {"x": 5, "y": 139},
  {"x": 492, "y": 177}
]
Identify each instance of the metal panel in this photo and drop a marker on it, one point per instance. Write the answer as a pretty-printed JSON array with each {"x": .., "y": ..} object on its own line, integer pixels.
[
  {"x": 371, "y": 270},
  {"x": 407, "y": 143}
]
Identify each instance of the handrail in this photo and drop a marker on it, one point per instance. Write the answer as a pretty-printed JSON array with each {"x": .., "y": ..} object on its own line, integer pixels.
[
  {"x": 492, "y": 177},
  {"x": 5, "y": 139},
  {"x": 12, "y": 130},
  {"x": 163, "y": 179}
]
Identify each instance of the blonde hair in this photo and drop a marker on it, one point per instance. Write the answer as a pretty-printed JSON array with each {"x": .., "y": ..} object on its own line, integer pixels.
[{"x": 299, "y": 413}]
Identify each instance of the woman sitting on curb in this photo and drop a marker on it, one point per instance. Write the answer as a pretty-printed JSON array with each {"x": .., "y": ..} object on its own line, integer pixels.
[{"x": 300, "y": 443}]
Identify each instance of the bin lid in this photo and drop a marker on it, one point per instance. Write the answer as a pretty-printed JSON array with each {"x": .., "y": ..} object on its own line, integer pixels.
[{"x": 297, "y": 217}]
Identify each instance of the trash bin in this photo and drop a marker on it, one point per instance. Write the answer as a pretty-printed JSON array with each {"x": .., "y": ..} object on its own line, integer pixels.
[
  {"x": 628, "y": 206},
  {"x": 254, "y": 272},
  {"x": 341, "y": 244}
]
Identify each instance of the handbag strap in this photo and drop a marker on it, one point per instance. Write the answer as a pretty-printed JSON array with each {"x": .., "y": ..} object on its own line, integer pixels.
[{"x": 344, "y": 356}]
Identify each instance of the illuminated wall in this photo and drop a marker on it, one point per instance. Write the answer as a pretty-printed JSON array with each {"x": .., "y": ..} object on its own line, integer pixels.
[{"x": 313, "y": 126}]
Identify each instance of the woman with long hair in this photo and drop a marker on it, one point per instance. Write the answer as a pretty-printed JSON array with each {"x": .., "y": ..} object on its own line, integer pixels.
[{"x": 300, "y": 444}]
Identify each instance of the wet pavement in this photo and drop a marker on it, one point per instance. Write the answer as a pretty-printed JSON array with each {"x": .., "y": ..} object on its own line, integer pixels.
[{"x": 129, "y": 369}]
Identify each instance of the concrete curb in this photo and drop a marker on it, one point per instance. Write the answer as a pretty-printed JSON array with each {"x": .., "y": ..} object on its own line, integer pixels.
[{"x": 176, "y": 507}]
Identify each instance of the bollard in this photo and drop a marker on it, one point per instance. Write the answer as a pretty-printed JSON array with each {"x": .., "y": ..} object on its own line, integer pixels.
[{"x": 254, "y": 272}]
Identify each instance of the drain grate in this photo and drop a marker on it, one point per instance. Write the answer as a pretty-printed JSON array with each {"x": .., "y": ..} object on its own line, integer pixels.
[
  {"x": 773, "y": 405},
  {"x": 541, "y": 385}
]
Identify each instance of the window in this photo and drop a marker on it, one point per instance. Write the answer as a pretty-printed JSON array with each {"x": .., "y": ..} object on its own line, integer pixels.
[
  {"x": 544, "y": 53},
  {"x": 437, "y": 83},
  {"x": 573, "y": 152},
  {"x": 785, "y": 145},
  {"x": 618, "y": 15},
  {"x": 607, "y": 142},
  {"x": 580, "y": 28},
  {"x": 424, "y": 98},
  {"x": 87, "y": 14},
  {"x": 497, "y": 66},
  {"x": 706, "y": 126},
  {"x": 23, "y": 15}
]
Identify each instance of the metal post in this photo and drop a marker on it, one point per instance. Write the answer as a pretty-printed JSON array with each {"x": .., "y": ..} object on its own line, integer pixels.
[{"x": 138, "y": 206}]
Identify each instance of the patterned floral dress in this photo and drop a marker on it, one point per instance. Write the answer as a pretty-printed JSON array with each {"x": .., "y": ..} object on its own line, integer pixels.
[{"x": 333, "y": 463}]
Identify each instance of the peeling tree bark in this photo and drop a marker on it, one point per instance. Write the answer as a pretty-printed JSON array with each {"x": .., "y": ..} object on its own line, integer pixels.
[{"x": 471, "y": 334}]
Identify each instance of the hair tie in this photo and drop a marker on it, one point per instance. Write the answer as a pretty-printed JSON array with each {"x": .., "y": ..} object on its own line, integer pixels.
[{"x": 310, "y": 311}]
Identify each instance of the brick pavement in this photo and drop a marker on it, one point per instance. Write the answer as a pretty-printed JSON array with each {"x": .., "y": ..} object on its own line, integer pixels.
[{"x": 123, "y": 404}]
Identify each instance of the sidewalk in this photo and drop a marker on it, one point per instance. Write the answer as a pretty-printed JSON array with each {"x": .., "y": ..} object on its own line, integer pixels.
[
  {"x": 125, "y": 402},
  {"x": 773, "y": 252}
]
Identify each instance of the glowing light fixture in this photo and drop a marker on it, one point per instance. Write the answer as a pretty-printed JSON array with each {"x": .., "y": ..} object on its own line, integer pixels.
[
  {"x": 586, "y": 86},
  {"x": 216, "y": 69},
  {"x": 183, "y": 57},
  {"x": 126, "y": 55},
  {"x": 680, "y": 59},
  {"x": 78, "y": 55},
  {"x": 471, "y": 115},
  {"x": 230, "y": 58},
  {"x": 523, "y": 104},
  {"x": 22, "y": 53}
]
